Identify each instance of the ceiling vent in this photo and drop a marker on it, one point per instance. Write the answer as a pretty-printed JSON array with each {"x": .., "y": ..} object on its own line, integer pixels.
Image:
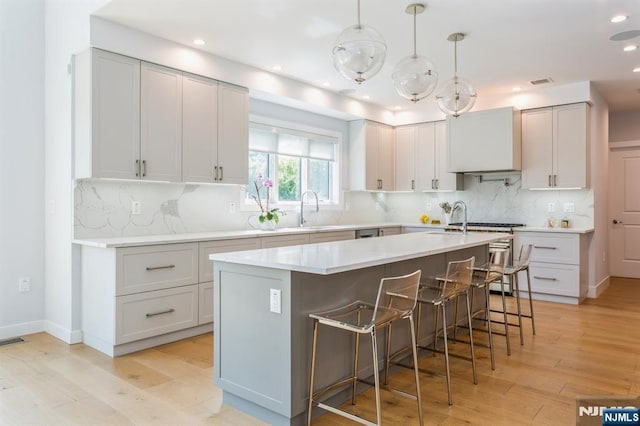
[{"x": 541, "y": 81}]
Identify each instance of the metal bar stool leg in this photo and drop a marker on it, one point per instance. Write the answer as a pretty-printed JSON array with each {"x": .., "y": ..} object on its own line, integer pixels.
[
  {"x": 446, "y": 352},
  {"x": 376, "y": 375},
  {"x": 487, "y": 313},
  {"x": 519, "y": 309},
  {"x": 506, "y": 317},
  {"x": 415, "y": 369},
  {"x": 533, "y": 323},
  {"x": 356, "y": 356},
  {"x": 387, "y": 354},
  {"x": 473, "y": 356},
  {"x": 313, "y": 370}
]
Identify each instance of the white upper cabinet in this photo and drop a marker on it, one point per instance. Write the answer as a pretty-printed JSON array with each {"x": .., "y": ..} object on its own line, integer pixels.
[
  {"x": 160, "y": 123},
  {"x": 137, "y": 120},
  {"x": 484, "y": 141},
  {"x": 555, "y": 147},
  {"x": 107, "y": 110},
  {"x": 233, "y": 134},
  {"x": 421, "y": 158},
  {"x": 371, "y": 153}
]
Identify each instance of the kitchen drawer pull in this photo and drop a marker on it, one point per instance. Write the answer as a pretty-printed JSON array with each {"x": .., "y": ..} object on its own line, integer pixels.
[
  {"x": 545, "y": 278},
  {"x": 153, "y": 314},
  {"x": 215, "y": 173},
  {"x": 546, "y": 247},
  {"x": 144, "y": 168},
  {"x": 153, "y": 268},
  {"x": 137, "y": 168},
  {"x": 221, "y": 173}
]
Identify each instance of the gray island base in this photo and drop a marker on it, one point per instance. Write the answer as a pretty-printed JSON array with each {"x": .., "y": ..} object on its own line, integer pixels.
[{"x": 262, "y": 299}]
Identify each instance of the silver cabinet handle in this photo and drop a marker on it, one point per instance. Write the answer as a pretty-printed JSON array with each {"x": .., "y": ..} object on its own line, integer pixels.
[
  {"x": 153, "y": 314},
  {"x": 137, "y": 168},
  {"x": 413, "y": 184},
  {"x": 437, "y": 183},
  {"x": 616, "y": 221},
  {"x": 144, "y": 168},
  {"x": 545, "y": 278},
  {"x": 153, "y": 268},
  {"x": 433, "y": 184},
  {"x": 215, "y": 173},
  {"x": 550, "y": 183},
  {"x": 555, "y": 180},
  {"x": 546, "y": 247},
  {"x": 221, "y": 173}
]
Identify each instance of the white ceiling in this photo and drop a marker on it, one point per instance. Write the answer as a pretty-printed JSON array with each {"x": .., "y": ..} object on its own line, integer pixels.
[{"x": 508, "y": 42}]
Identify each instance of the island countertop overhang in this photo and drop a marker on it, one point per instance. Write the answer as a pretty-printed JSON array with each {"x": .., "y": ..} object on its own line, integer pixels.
[{"x": 341, "y": 256}]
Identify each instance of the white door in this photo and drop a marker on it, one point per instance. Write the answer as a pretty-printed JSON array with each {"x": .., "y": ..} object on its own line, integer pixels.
[
  {"x": 199, "y": 128},
  {"x": 405, "y": 158},
  {"x": 161, "y": 123},
  {"x": 624, "y": 213},
  {"x": 233, "y": 134}
]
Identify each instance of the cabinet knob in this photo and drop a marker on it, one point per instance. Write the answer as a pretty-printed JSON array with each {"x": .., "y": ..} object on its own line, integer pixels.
[{"x": 616, "y": 221}]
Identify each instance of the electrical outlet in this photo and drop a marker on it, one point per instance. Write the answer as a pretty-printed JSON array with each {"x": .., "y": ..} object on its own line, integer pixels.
[
  {"x": 136, "y": 207},
  {"x": 275, "y": 303},
  {"x": 569, "y": 207},
  {"x": 24, "y": 284},
  {"x": 429, "y": 207},
  {"x": 551, "y": 207},
  {"x": 232, "y": 207}
]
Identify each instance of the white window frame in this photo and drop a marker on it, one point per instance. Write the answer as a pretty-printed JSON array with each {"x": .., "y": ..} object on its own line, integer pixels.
[{"x": 336, "y": 168}]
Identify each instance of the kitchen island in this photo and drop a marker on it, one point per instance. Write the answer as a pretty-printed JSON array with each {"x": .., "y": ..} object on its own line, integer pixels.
[{"x": 262, "y": 299}]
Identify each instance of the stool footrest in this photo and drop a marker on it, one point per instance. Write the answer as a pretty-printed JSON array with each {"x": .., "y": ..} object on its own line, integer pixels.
[{"x": 342, "y": 413}]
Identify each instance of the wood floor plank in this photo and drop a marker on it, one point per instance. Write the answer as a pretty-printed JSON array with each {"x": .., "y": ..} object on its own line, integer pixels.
[{"x": 591, "y": 349}]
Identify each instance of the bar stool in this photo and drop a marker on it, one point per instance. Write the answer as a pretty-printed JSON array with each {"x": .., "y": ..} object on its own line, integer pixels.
[
  {"x": 396, "y": 300},
  {"x": 521, "y": 264},
  {"x": 437, "y": 292}
]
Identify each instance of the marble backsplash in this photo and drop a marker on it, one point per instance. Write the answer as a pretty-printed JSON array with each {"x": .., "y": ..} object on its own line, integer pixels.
[{"x": 103, "y": 207}]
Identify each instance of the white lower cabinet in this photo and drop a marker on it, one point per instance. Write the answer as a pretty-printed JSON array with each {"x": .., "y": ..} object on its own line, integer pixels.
[
  {"x": 323, "y": 237},
  {"x": 205, "y": 302},
  {"x": 390, "y": 230},
  {"x": 558, "y": 265},
  {"x": 149, "y": 314}
]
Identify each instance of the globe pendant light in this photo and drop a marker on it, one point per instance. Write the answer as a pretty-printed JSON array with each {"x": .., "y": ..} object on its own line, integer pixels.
[
  {"x": 414, "y": 77},
  {"x": 359, "y": 52},
  {"x": 457, "y": 95}
]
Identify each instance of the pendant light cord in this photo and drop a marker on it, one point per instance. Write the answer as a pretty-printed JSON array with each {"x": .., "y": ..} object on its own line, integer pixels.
[
  {"x": 415, "y": 55},
  {"x": 455, "y": 58},
  {"x": 359, "y": 24}
]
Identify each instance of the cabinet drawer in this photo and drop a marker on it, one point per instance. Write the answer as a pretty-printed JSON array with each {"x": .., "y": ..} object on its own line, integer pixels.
[
  {"x": 222, "y": 246},
  {"x": 148, "y": 268},
  {"x": 143, "y": 315},
  {"x": 284, "y": 240},
  {"x": 552, "y": 248},
  {"x": 550, "y": 278},
  {"x": 205, "y": 302},
  {"x": 392, "y": 230},
  {"x": 322, "y": 237}
]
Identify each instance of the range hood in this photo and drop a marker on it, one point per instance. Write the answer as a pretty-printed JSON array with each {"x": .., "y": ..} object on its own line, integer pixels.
[{"x": 485, "y": 141}]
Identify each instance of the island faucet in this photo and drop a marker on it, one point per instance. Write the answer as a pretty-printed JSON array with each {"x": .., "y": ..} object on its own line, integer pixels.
[
  {"x": 302, "y": 221},
  {"x": 461, "y": 204}
]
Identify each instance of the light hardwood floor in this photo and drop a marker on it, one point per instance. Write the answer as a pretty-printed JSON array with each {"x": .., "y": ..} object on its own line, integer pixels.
[{"x": 591, "y": 349}]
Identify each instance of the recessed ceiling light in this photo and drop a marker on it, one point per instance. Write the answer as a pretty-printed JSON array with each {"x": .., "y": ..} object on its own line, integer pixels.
[
  {"x": 516, "y": 88},
  {"x": 366, "y": 97},
  {"x": 618, "y": 18},
  {"x": 198, "y": 41},
  {"x": 326, "y": 84},
  {"x": 276, "y": 67},
  {"x": 636, "y": 69},
  {"x": 630, "y": 48},
  {"x": 397, "y": 107}
]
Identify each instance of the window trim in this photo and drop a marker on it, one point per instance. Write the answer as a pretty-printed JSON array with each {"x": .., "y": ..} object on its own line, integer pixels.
[{"x": 249, "y": 205}]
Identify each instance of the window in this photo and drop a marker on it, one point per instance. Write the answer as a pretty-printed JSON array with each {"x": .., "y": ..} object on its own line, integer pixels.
[{"x": 295, "y": 161}]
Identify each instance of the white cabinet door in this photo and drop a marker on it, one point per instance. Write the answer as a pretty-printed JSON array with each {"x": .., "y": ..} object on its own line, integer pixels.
[
  {"x": 233, "y": 134},
  {"x": 405, "y": 158},
  {"x": 199, "y": 128},
  {"x": 161, "y": 123},
  {"x": 571, "y": 146},
  {"x": 371, "y": 142},
  {"x": 425, "y": 157},
  {"x": 386, "y": 157},
  {"x": 115, "y": 115},
  {"x": 445, "y": 181},
  {"x": 537, "y": 148}
]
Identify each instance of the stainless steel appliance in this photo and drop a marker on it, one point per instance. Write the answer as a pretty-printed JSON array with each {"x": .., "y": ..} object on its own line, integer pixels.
[
  {"x": 367, "y": 233},
  {"x": 497, "y": 245}
]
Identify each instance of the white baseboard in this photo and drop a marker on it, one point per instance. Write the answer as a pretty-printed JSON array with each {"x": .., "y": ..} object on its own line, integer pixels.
[
  {"x": 599, "y": 288},
  {"x": 21, "y": 329},
  {"x": 68, "y": 336}
]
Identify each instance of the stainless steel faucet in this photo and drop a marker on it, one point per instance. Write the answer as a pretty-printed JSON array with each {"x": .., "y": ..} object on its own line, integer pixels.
[
  {"x": 462, "y": 204},
  {"x": 302, "y": 221}
]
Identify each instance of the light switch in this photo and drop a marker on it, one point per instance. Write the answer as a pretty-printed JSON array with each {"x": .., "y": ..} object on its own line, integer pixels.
[
  {"x": 569, "y": 207},
  {"x": 136, "y": 207},
  {"x": 551, "y": 207},
  {"x": 275, "y": 300}
]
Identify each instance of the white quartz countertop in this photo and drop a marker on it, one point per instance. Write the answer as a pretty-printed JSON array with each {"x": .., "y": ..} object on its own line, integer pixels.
[
  {"x": 557, "y": 230},
  {"x": 340, "y": 256},
  {"x": 145, "y": 240}
]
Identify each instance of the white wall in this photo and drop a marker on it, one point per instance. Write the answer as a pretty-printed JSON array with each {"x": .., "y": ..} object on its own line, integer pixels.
[
  {"x": 21, "y": 165},
  {"x": 66, "y": 32}
]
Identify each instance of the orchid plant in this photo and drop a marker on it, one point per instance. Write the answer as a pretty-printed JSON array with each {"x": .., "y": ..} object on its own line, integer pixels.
[{"x": 265, "y": 212}]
